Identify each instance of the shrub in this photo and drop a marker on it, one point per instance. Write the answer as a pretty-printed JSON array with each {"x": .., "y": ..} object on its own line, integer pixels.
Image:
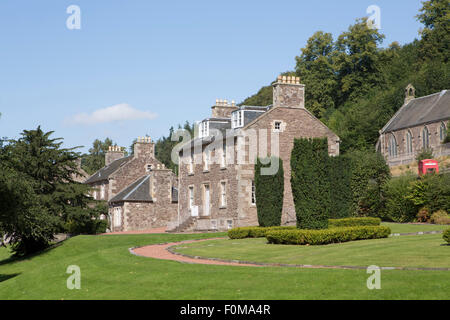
[
  {"x": 423, "y": 215},
  {"x": 398, "y": 207},
  {"x": 446, "y": 235},
  {"x": 431, "y": 191},
  {"x": 440, "y": 217},
  {"x": 269, "y": 191},
  {"x": 341, "y": 197},
  {"x": 328, "y": 236},
  {"x": 310, "y": 183},
  {"x": 353, "y": 222},
  {"x": 253, "y": 232}
]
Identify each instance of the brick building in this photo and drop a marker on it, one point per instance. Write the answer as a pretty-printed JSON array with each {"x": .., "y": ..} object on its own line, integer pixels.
[
  {"x": 421, "y": 123},
  {"x": 216, "y": 169},
  {"x": 140, "y": 191}
]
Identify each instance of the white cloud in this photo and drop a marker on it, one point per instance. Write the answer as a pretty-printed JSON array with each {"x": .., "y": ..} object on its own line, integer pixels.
[{"x": 118, "y": 112}]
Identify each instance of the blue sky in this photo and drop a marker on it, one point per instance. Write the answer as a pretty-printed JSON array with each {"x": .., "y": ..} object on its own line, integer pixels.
[{"x": 143, "y": 66}]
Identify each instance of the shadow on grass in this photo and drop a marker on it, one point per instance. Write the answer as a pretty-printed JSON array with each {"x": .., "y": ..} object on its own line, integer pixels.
[
  {"x": 13, "y": 258},
  {"x": 4, "y": 277}
]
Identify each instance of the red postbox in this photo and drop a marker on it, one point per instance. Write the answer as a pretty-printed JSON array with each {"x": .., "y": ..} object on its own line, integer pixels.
[{"x": 428, "y": 166}]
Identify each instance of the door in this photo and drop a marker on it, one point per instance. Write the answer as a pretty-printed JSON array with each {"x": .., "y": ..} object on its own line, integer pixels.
[{"x": 207, "y": 200}]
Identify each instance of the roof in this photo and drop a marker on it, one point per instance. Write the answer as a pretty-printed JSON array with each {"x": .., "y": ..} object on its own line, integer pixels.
[
  {"x": 137, "y": 191},
  {"x": 105, "y": 172},
  {"x": 420, "y": 111}
]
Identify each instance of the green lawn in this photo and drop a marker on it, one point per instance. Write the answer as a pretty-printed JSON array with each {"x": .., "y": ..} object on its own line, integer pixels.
[
  {"x": 410, "y": 228},
  {"x": 109, "y": 271}
]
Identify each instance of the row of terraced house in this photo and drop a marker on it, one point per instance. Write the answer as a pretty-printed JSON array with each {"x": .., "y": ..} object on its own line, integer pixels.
[{"x": 214, "y": 189}]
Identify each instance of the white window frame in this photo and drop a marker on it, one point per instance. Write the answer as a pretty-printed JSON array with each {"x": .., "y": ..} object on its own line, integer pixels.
[
  {"x": 279, "y": 123},
  {"x": 230, "y": 224},
  {"x": 191, "y": 164},
  {"x": 223, "y": 194},
  {"x": 442, "y": 132},
  {"x": 409, "y": 146},
  {"x": 191, "y": 197},
  {"x": 117, "y": 217},
  {"x": 102, "y": 192},
  {"x": 425, "y": 138}
]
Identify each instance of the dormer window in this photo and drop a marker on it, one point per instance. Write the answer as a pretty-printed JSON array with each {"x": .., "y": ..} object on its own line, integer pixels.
[
  {"x": 204, "y": 129},
  {"x": 237, "y": 119}
]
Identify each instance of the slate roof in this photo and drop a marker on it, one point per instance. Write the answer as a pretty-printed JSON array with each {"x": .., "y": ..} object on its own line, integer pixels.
[
  {"x": 432, "y": 108},
  {"x": 137, "y": 191},
  {"x": 105, "y": 172}
]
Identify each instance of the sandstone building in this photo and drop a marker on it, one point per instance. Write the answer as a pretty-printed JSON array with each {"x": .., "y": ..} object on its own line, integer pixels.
[
  {"x": 140, "y": 191},
  {"x": 421, "y": 123},
  {"x": 216, "y": 168}
]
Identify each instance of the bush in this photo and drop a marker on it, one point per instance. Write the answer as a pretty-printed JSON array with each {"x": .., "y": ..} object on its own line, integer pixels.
[
  {"x": 431, "y": 191},
  {"x": 94, "y": 226},
  {"x": 269, "y": 191},
  {"x": 322, "y": 237},
  {"x": 310, "y": 183},
  {"x": 341, "y": 196},
  {"x": 440, "y": 217},
  {"x": 353, "y": 222},
  {"x": 253, "y": 232},
  {"x": 398, "y": 207},
  {"x": 423, "y": 215},
  {"x": 446, "y": 235}
]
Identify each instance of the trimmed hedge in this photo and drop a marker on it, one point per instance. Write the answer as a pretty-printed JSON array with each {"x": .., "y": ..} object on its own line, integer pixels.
[
  {"x": 328, "y": 236},
  {"x": 253, "y": 232},
  {"x": 269, "y": 191},
  {"x": 353, "y": 222},
  {"x": 446, "y": 235}
]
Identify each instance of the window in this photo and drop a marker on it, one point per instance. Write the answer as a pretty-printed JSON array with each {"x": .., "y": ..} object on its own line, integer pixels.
[
  {"x": 230, "y": 224},
  {"x": 442, "y": 132},
  {"x": 392, "y": 146},
  {"x": 204, "y": 129},
  {"x": 102, "y": 192},
  {"x": 277, "y": 125},
  {"x": 214, "y": 224},
  {"x": 191, "y": 164},
  {"x": 148, "y": 168},
  {"x": 425, "y": 138},
  {"x": 191, "y": 197},
  {"x": 117, "y": 217},
  {"x": 237, "y": 119},
  {"x": 409, "y": 147},
  {"x": 223, "y": 194},
  {"x": 253, "y": 192},
  {"x": 224, "y": 156},
  {"x": 206, "y": 160}
]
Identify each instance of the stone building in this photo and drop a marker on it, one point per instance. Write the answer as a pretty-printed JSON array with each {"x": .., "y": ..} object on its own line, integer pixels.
[
  {"x": 216, "y": 168},
  {"x": 421, "y": 123},
  {"x": 140, "y": 191}
]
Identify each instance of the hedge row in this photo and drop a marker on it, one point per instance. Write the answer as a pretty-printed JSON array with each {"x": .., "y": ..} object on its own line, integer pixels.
[
  {"x": 253, "y": 232},
  {"x": 446, "y": 235},
  {"x": 353, "y": 222},
  {"x": 327, "y": 236}
]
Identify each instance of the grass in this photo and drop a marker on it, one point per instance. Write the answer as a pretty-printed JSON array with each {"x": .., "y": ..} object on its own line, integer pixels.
[
  {"x": 109, "y": 271},
  {"x": 425, "y": 251},
  {"x": 410, "y": 228}
]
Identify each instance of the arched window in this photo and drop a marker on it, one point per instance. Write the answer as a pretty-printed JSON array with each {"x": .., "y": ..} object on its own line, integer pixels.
[
  {"x": 425, "y": 138},
  {"x": 392, "y": 146},
  {"x": 442, "y": 132},
  {"x": 409, "y": 147}
]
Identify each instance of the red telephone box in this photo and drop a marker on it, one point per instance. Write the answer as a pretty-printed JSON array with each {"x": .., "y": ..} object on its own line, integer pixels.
[{"x": 428, "y": 166}]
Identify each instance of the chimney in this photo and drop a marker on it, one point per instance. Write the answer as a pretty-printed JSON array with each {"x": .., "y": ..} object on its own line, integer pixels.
[
  {"x": 288, "y": 92},
  {"x": 114, "y": 153},
  {"x": 223, "y": 109},
  {"x": 410, "y": 93},
  {"x": 144, "y": 147}
]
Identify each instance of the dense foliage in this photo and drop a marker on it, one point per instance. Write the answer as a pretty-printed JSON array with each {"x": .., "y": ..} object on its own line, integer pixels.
[
  {"x": 95, "y": 159},
  {"x": 269, "y": 190},
  {"x": 310, "y": 183},
  {"x": 38, "y": 191},
  {"x": 327, "y": 236},
  {"x": 253, "y": 232},
  {"x": 355, "y": 86},
  {"x": 353, "y": 222},
  {"x": 446, "y": 235}
]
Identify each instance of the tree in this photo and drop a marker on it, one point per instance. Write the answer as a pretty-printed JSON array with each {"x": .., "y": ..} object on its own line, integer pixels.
[
  {"x": 95, "y": 160},
  {"x": 269, "y": 191},
  {"x": 316, "y": 70},
  {"x": 310, "y": 183},
  {"x": 37, "y": 183}
]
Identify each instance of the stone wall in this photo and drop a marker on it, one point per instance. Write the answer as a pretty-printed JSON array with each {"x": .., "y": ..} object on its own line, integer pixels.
[{"x": 403, "y": 157}]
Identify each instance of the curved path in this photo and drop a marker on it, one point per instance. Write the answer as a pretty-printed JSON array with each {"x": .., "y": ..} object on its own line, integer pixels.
[{"x": 166, "y": 251}]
